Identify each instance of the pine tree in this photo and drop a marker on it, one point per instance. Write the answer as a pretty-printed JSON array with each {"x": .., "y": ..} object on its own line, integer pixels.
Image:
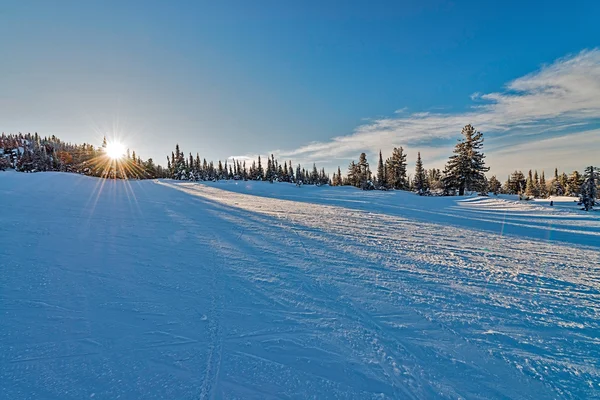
[
  {"x": 588, "y": 190},
  {"x": 396, "y": 170},
  {"x": 269, "y": 171},
  {"x": 543, "y": 186},
  {"x": 381, "y": 179},
  {"x": 352, "y": 174},
  {"x": 530, "y": 186},
  {"x": 434, "y": 179},
  {"x": 286, "y": 174},
  {"x": 536, "y": 184},
  {"x": 574, "y": 184},
  {"x": 363, "y": 172},
  {"x": 179, "y": 165},
  {"x": 465, "y": 169},
  {"x": 314, "y": 175},
  {"x": 494, "y": 185},
  {"x": 420, "y": 181},
  {"x": 564, "y": 180},
  {"x": 556, "y": 188},
  {"x": 260, "y": 175},
  {"x": 299, "y": 176}
]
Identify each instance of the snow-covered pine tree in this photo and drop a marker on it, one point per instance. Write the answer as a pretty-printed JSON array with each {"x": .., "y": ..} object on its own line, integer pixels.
[
  {"x": 530, "y": 186},
  {"x": 363, "y": 172},
  {"x": 574, "y": 184},
  {"x": 556, "y": 188},
  {"x": 420, "y": 180},
  {"x": 465, "y": 169},
  {"x": 286, "y": 174},
  {"x": 543, "y": 186},
  {"x": 179, "y": 165},
  {"x": 323, "y": 177},
  {"x": 434, "y": 179},
  {"x": 589, "y": 191},
  {"x": 220, "y": 171},
  {"x": 564, "y": 180},
  {"x": 352, "y": 174},
  {"x": 291, "y": 172},
  {"x": 269, "y": 171},
  {"x": 198, "y": 167},
  {"x": 381, "y": 179},
  {"x": 299, "y": 176},
  {"x": 396, "y": 173},
  {"x": 337, "y": 178},
  {"x": 260, "y": 173},
  {"x": 314, "y": 175},
  {"x": 494, "y": 185}
]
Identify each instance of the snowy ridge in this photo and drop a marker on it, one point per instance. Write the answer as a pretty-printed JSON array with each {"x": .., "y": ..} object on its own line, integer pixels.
[{"x": 181, "y": 290}]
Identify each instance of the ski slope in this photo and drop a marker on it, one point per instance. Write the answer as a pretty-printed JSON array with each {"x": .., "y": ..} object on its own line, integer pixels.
[{"x": 242, "y": 290}]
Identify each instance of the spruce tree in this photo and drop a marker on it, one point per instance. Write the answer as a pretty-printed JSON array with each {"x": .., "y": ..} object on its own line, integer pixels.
[
  {"x": 314, "y": 175},
  {"x": 589, "y": 191},
  {"x": 352, "y": 175},
  {"x": 269, "y": 171},
  {"x": 574, "y": 184},
  {"x": 556, "y": 189},
  {"x": 536, "y": 184},
  {"x": 260, "y": 175},
  {"x": 420, "y": 181},
  {"x": 381, "y": 180},
  {"x": 396, "y": 173},
  {"x": 543, "y": 186},
  {"x": 494, "y": 185},
  {"x": 564, "y": 181},
  {"x": 434, "y": 179},
  {"x": 363, "y": 172},
  {"x": 465, "y": 169},
  {"x": 530, "y": 186}
]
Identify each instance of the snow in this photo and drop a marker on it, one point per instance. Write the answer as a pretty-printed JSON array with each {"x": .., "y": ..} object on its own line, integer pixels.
[{"x": 164, "y": 289}]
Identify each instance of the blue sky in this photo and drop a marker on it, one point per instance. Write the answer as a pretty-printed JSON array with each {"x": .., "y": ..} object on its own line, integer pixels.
[{"x": 308, "y": 80}]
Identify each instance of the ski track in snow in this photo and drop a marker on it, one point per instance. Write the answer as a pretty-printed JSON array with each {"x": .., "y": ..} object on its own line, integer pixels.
[{"x": 180, "y": 290}]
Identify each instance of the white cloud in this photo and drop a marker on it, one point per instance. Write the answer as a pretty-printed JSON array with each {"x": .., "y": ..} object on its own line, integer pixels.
[
  {"x": 559, "y": 98},
  {"x": 567, "y": 153}
]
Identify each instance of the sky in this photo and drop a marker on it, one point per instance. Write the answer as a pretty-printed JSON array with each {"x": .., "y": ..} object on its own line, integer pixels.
[{"x": 310, "y": 81}]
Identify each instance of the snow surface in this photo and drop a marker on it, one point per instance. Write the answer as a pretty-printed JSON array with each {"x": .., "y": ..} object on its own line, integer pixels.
[{"x": 163, "y": 289}]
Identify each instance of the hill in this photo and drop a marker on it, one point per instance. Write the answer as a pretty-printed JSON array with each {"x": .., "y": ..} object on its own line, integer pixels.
[{"x": 165, "y": 289}]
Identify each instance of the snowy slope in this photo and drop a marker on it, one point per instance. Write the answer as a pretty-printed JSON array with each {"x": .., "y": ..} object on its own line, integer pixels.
[
  {"x": 186, "y": 291},
  {"x": 502, "y": 214}
]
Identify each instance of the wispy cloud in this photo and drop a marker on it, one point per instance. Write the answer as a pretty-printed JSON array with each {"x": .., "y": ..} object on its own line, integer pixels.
[
  {"x": 567, "y": 152},
  {"x": 559, "y": 99}
]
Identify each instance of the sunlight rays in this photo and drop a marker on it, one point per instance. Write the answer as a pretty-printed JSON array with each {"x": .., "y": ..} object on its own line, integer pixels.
[{"x": 115, "y": 150}]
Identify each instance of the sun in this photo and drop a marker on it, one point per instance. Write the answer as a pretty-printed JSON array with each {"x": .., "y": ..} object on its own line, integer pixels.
[{"x": 115, "y": 150}]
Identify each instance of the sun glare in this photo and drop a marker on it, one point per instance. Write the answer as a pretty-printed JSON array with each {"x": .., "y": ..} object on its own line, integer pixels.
[{"x": 115, "y": 150}]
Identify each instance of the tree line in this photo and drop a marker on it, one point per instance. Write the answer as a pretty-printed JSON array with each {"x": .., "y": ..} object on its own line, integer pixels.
[
  {"x": 192, "y": 168},
  {"x": 465, "y": 170},
  {"x": 34, "y": 153}
]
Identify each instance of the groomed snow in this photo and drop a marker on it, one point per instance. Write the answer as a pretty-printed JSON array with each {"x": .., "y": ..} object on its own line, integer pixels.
[{"x": 237, "y": 290}]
